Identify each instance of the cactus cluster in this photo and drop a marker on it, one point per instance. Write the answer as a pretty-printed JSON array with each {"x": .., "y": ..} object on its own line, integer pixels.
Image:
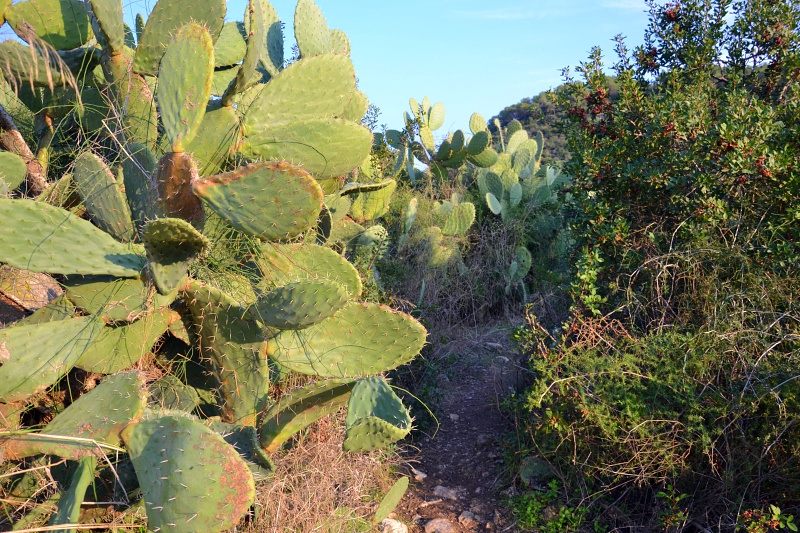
[
  {"x": 208, "y": 146},
  {"x": 417, "y": 143}
]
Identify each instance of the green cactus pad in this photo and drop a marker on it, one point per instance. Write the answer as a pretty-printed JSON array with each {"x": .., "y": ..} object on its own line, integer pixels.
[
  {"x": 391, "y": 500},
  {"x": 237, "y": 349},
  {"x": 166, "y": 17},
  {"x": 222, "y": 79},
  {"x": 301, "y": 408},
  {"x": 257, "y": 34},
  {"x": 51, "y": 239},
  {"x": 436, "y": 116},
  {"x": 271, "y": 201},
  {"x": 169, "y": 392},
  {"x": 360, "y": 339},
  {"x": 63, "y": 24},
  {"x": 312, "y": 32},
  {"x": 25, "y": 66},
  {"x": 345, "y": 232},
  {"x": 272, "y": 61},
  {"x": 495, "y": 206},
  {"x": 524, "y": 261},
  {"x": 516, "y": 140},
  {"x": 230, "y": 46},
  {"x": 141, "y": 118},
  {"x": 478, "y": 143},
  {"x": 300, "y": 304},
  {"x": 371, "y": 433},
  {"x": 116, "y": 348},
  {"x": 539, "y": 146},
  {"x": 356, "y": 108},
  {"x": 191, "y": 479},
  {"x": 326, "y": 148},
  {"x": 338, "y": 206},
  {"x": 372, "y": 205},
  {"x": 477, "y": 123},
  {"x": 59, "y": 309},
  {"x": 485, "y": 159},
  {"x": 410, "y": 215},
  {"x": 216, "y": 140},
  {"x": 175, "y": 175},
  {"x": 288, "y": 263},
  {"x": 112, "y": 299},
  {"x": 69, "y": 505},
  {"x": 103, "y": 197},
  {"x": 108, "y": 20},
  {"x": 373, "y": 397},
  {"x": 460, "y": 219},
  {"x": 494, "y": 184},
  {"x": 138, "y": 166},
  {"x": 96, "y": 417},
  {"x": 245, "y": 440},
  {"x": 184, "y": 83},
  {"x": 36, "y": 356},
  {"x": 12, "y": 172},
  {"x": 521, "y": 159},
  {"x": 171, "y": 245},
  {"x": 515, "y": 194}
]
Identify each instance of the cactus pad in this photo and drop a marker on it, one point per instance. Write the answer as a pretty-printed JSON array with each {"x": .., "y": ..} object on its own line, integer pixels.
[
  {"x": 372, "y": 205},
  {"x": 64, "y": 24},
  {"x": 12, "y": 172},
  {"x": 166, "y": 17},
  {"x": 230, "y": 46},
  {"x": 191, "y": 479},
  {"x": 391, "y": 500},
  {"x": 312, "y": 32},
  {"x": 217, "y": 139},
  {"x": 245, "y": 440},
  {"x": 300, "y": 305},
  {"x": 460, "y": 219},
  {"x": 112, "y": 299},
  {"x": 108, "y": 23},
  {"x": 53, "y": 240},
  {"x": 184, "y": 83},
  {"x": 236, "y": 347},
  {"x": 116, "y": 348},
  {"x": 375, "y": 416},
  {"x": 271, "y": 201},
  {"x": 36, "y": 356},
  {"x": 172, "y": 245},
  {"x": 300, "y": 408},
  {"x": 103, "y": 197},
  {"x": 360, "y": 339},
  {"x": 97, "y": 416},
  {"x": 137, "y": 167},
  {"x": 287, "y": 263}
]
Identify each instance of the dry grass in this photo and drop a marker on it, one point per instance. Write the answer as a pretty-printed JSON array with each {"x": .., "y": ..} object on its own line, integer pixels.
[{"x": 318, "y": 487}]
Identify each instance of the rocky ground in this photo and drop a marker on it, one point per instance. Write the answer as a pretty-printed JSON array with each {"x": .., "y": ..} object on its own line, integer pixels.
[{"x": 459, "y": 478}]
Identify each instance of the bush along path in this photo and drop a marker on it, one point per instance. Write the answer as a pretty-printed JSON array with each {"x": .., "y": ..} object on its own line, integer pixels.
[{"x": 459, "y": 480}]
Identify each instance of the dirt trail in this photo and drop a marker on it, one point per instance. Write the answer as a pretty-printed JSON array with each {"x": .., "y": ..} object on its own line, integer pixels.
[{"x": 462, "y": 463}]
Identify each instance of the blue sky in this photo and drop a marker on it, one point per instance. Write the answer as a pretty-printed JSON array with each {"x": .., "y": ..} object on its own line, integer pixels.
[{"x": 472, "y": 55}]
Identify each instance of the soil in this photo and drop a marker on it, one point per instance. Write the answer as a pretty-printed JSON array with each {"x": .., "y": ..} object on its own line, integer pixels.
[{"x": 465, "y": 477}]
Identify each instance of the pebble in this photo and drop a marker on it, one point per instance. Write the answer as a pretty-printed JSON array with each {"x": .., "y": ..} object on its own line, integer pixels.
[
  {"x": 419, "y": 475},
  {"x": 454, "y": 417},
  {"x": 439, "y": 525},
  {"x": 389, "y": 525},
  {"x": 467, "y": 519},
  {"x": 445, "y": 493}
]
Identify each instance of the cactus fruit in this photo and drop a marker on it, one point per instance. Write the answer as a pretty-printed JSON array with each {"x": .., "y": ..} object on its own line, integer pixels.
[
  {"x": 300, "y": 305},
  {"x": 94, "y": 420},
  {"x": 191, "y": 479},
  {"x": 359, "y": 340},
  {"x": 301, "y": 408},
  {"x": 271, "y": 201},
  {"x": 375, "y": 416},
  {"x": 171, "y": 245}
]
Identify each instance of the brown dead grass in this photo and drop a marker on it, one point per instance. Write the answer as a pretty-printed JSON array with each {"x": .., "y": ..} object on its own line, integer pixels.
[{"x": 318, "y": 487}]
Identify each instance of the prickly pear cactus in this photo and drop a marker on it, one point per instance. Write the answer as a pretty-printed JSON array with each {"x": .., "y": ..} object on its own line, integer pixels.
[{"x": 198, "y": 226}]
